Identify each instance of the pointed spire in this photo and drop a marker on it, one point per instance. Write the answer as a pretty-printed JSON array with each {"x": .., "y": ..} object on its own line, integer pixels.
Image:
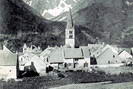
[
  {"x": 24, "y": 46},
  {"x": 69, "y": 19}
]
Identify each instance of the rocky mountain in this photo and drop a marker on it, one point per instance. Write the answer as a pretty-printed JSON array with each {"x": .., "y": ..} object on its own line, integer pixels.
[
  {"x": 52, "y": 8},
  {"x": 22, "y": 24}
]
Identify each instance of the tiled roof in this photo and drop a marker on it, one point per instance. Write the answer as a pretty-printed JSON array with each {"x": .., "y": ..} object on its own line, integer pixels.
[
  {"x": 47, "y": 51},
  {"x": 59, "y": 54},
  {"x": 56, "y": 56},
  {"x": 86, "y": 51},
  {"x": 73, "y": 53}
]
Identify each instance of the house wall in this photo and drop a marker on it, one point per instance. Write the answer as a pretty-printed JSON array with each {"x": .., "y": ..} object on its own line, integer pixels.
[
  {"x": 23, "y": 59},
  {"x": 80, "y": 63},
  {"x": 7, "y": 72},
  {"x": 88, "y": 61},
  {"x": 108, "y": 57},
  {"x": 69, "y": 62},
  {"x": 58, "y": 66}
]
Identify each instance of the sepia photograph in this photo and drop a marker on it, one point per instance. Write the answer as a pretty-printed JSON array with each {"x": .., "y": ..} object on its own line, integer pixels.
[{"x": 66, "y": 44}]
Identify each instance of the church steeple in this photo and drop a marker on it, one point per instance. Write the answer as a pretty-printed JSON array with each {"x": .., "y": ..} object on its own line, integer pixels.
[
  {"x": 70, "y": 31},
  {"x": 69, "y": 20}
]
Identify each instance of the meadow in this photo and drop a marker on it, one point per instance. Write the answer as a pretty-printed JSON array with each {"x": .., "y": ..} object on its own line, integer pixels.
[
  {"x": 126, "y": 85},
  {"x": 66, "y": 78}
]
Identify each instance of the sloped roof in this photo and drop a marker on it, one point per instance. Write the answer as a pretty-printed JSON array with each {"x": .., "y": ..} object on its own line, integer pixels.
[
  {"x": 7, "y": 58},
  {"x": 97, "y": 51},
  {"x": 59, "y": 54},
  {"x": 110, "y": 47},
  {"x": 107, "y": 47},
  {"x": 129, "y": 50},
  {"x": 47, "y": 51},
  {"x": 38, "y": 64},
  {"x": 103, "y": 52},
  {"x": 86, "y": 51},
  {"x": 125, "y": 54},
  {"x": 56, "y": 56},
  {"x": 73, "y": 53}
]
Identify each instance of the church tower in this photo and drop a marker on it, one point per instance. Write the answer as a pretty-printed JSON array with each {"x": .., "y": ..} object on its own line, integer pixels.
[{"x": 70, "y": 31}]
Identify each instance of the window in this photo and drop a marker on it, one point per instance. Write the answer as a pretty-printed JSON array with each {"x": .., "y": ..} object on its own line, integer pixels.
[
  {"x": 113, "y": 56},
  {"x": 85, "y": 64},
  {"x": 70, "y": 32},
  {"x": 47, "y": 59},
  {"x": 93, "y": 60},
  {"x": 69, "y": 64},
  {"x": 10, "y": 70},
  {"x": 21, "y": 59},
  {"x": 65, "y": 65},
  {"x": 109, "y": 62},
  {"x": 71, "y": 36},
  {"x": 76, "y": 61}
]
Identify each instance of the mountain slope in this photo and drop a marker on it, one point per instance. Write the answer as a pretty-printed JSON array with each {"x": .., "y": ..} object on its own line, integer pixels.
[
  {"x": 110, "y": 18},
  {"x": 21, "y": 24}
]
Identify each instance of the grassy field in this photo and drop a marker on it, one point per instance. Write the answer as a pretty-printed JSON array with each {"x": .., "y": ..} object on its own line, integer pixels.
[
  {"x": 67, "y": 78},
  {"x": 128, "y": 85},
  {"x": 117, "y": 70}
]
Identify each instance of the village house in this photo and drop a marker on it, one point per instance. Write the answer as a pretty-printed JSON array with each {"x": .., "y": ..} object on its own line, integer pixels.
[
  {"x": 23, "y": 59},
  {"x": 73, "y": 57},
  {"x": 86, "y": 54},
  {"x": 107, "y": 55},
  {"x": 77, "y": 58},
  {"x": 38, "y": 65},
  {"x": 56, "y": 58},
  {"x": 69, "y": 58},
  {"x": 125, "y": 56},
  {"x": 8, "y": 64},
  {"x": 31, "y": 58}
]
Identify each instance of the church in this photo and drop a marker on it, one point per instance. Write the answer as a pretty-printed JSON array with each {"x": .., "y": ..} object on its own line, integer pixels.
[{"x": 68, "y": 56}]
